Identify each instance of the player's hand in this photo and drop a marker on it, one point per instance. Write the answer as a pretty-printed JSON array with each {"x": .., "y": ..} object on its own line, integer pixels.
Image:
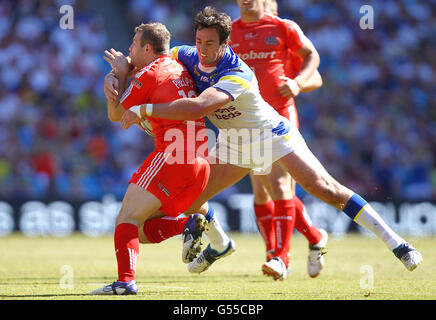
[
  {"x": 111, "y": 86},
  {"x": 132, "y": 68},
  {"x": 129, "y": 118},
  {"x": 289, "y": 88},
  {"x": 119, "y": 63}
]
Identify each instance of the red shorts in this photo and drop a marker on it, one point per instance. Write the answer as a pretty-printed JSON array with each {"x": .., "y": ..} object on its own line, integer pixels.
[{"x": 177, "y": 186}]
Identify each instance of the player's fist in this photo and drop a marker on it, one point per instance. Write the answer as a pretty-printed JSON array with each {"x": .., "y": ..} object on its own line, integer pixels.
[
  {"x": 129, "y": 118},
  {"x": 110, "y": 87},
  {"x": 289, "y": 88}
]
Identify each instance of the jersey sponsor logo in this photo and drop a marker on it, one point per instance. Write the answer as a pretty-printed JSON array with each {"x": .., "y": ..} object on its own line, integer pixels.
[
  {"x": 257, "y": 55},
  {"x": 271, "y": 40},
  {"x": 227, "y": 113},
  {"x": 250, "y": 36},
  {"x": 183, "y": 82}
]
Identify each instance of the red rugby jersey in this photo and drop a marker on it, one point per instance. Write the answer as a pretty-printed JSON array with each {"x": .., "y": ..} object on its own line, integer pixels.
[
  {"x": 165, "y": 80},
  {"x": 267, "y": 46}
]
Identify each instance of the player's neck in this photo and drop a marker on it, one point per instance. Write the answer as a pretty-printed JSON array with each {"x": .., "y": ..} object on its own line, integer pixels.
[
  {"x": 150, "y": 59},
  {"x": 251, "y": 17}
]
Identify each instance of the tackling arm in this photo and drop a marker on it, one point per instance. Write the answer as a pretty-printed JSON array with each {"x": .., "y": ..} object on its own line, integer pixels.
[
  {"x": 181, "y": 109},
  {"x": 191, "y": 108}
]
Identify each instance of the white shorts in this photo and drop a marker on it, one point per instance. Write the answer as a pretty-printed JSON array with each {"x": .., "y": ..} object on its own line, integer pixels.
[{"x": 254, "y": 148}]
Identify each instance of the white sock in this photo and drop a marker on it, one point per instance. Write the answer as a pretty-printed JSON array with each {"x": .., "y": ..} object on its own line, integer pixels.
[
  {"x": 370, "y": 219},
  {"x": 218, "y": 239}
]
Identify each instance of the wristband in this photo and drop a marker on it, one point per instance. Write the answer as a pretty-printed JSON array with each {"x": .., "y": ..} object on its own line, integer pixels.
[
  {"x": 300, "y": 81},
  {"x": 137, "y": 110},
  {"x": 148, "y": 109}
]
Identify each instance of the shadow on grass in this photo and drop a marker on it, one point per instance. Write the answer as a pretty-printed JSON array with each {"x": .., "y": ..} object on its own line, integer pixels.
[{"x": 42, "y": 295}]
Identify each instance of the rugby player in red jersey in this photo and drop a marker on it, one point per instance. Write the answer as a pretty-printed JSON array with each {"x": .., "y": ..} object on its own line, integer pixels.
[
  {"x": 153, "y": 190},
  {"x": 277, "y": 51}
]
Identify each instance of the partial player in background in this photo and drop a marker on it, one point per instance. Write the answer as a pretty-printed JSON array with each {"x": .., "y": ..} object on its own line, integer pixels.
[
  {"x": 271, "y": 7},
  {"x": 168, "y": 181},
  {"x": 278, "y": 51},
  {"x": 229, "y": 95}
]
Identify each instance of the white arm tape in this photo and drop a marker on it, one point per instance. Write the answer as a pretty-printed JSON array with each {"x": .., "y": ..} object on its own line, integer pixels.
[
  {"x": 137, "y": 110},
  {"x": 148, "y": 109}
]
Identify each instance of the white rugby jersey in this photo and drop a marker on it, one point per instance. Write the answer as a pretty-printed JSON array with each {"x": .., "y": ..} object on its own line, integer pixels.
[
  {"x": 232, "y": 75},
  {"x": 252, "y": 134}
]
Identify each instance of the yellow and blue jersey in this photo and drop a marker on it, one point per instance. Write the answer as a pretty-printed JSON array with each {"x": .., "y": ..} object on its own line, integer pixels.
[
  {"x": 229, "y": 68},
  {"x": 233, "y": 76},
  {"x": 252, "y": 133}
]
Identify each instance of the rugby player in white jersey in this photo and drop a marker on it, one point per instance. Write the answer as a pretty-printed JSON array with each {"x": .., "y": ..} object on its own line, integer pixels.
[{"x": 229, "y": 96}]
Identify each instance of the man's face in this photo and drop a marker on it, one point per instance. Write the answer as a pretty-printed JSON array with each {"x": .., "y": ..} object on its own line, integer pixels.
[
  {"x": 137, "y": 53},
  {"x": 248, "y": 6},
  {"x": 208, "y": 46}
]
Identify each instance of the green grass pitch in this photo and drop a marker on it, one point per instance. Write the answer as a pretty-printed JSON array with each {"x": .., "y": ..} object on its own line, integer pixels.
[{"x": 357, "y": 268}]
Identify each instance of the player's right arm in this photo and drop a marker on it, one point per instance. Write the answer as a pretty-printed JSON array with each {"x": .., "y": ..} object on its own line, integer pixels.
[{"x": 194, "y": 108}]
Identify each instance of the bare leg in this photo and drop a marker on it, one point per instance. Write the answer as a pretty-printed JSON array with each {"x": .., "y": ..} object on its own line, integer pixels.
[
  {"x": 305, "y": 168},
  {"x": 221, "y": 177},
  {"x": 261, "y": 188},
  {"x": 312, "y": 176}
]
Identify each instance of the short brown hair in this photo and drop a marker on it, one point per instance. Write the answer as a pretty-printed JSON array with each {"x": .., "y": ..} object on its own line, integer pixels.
[
  {"x": 155, "y": 34},
  {"x": 211, "y": 18}
]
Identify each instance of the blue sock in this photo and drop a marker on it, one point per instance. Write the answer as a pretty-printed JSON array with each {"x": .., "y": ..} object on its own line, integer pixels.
[
  {"x": 210, "y": 213},
  {"x": 354, "y": 205}
]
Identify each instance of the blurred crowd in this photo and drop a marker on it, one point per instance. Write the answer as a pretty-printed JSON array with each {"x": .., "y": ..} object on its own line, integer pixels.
[
  {"x": 372, "y": 124},
  {"x": 55, "y": 138}
]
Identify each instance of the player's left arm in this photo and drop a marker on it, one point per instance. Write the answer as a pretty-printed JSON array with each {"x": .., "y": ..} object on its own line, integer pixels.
[
  {"x": 314, "y": 82},
  {"x": 308, "y": 78},
  {"x": 310, "y": 57},
  {"x": 194, "y": 108}
]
